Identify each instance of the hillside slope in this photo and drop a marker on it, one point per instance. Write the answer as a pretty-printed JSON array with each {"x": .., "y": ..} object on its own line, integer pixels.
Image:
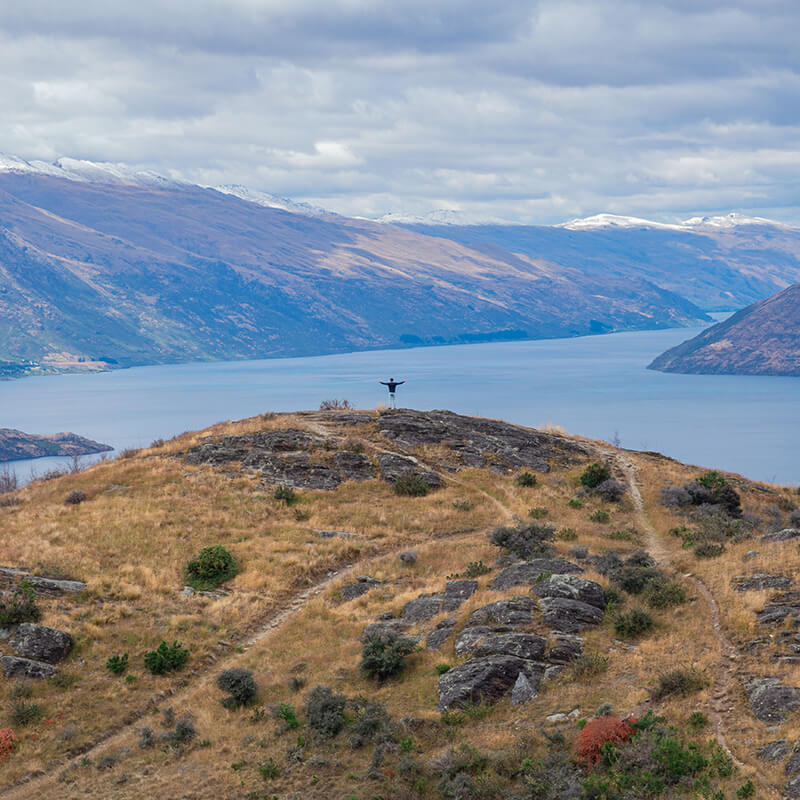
[
  {"x": 134, "y": 274},
  {"x": 18, "y": 445},
  {"x": 511, "y": 567},
  {"x": 762, "y": 339}
]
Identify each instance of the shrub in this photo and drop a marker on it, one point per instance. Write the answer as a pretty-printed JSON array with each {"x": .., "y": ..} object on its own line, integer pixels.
[
  {"x": 679, "y": 681},
  {"x": 325, "y": 711},
  {"x": 525, "y": 541},
  {"x": 301, "y": 514},
  {"x": 166, "y": 658},
  {"x": 19, "y": 606},
  {"x": 610, "y": 490},
  {"x": 269, "y": 769},
  {"x": 697, "y": 720},
  {"x": 287, "y": 715},
  {"x": 212, "y": 566},
  {"x": 662, "y": 594},
  {"x": 712, "y": 480},
  {"x": 599, "y": 732},
  {"x": 634, "y": 580},
  {"x": 75, "y": 498},
  {"x": 595, "y": 474},
  {"x": 675, "y": 497},
  {"x": 747, "y": 789},
  {"x": 709, "y": 549},
  {"x": 117, "y": 664},
  {"x": 538, "y": 513},
  {"x": 184, "y": 731},
  {"x": 384, "y": 654},
  {"x": 794, "y": 518},
  {"x": 600, "y": 516},
  {"x": 24, "y": 713},
  {"x": 463, "y": 505},
  {"x": 474, "y": 570},
  {"x": 567, "y": 534},
  {"x": 8, "y": 479},
  {"x": 411, "y": 484},
  {"x": 589, "y": 665},
  {"x": 526, "y": 479},
  {"x": 285, "y": 494},
  {"x": 335, "y": 405},
  {"x": 575, "y": 502},
  {"x": 157, "y": 443},
  {"x": 8, "y": 742},
  {"x": 372, "y": 724},
  {"x": 239, "y": 685},
  {"x": 633, "y": 623},
  {"x": 442, "y": 668}
]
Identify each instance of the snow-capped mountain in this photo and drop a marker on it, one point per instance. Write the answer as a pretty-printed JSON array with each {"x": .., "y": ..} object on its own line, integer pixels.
[
  {"x": 731, "y": 220},
  {"x": 269, "y": 200}
]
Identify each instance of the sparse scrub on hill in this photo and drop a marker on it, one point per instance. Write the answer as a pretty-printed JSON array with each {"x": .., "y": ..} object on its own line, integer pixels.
[
  {"x": 8, "y": 742},
  {"x": 19, "y": 606},
  {"x": 525, "y": 479},
  {"x": 709, "y": 549},
  {"x": 610, "y": 490},
  {"x": 284, "y": 494},
  {"x": 8, "y": 480},
  {"x": 384, "y": 655},
  {"x": 538, "y": 513},
  {"x": 600, "y": 516},
  {"x": 212, "y": 566},
  {"x": 117, "y": 664},
  {"x": 335, "y": 405},
  {"x": 589, "y": 665},
  {"x": 75, "y": 498},
  {"x": 595, "y": 474},
  {"x": 524, "y": 541},
  {"x": 240, "y": 686},
  {"x": 682, "y": 682},
  {"x": 635, "y": 579},
  {"x": 575, "y": 502},
  {"x": 633, "y": 624},
  {"x": 325, "y": 711},
  {"x": 593, "y": 739},
  {"x": 474, "y": 570},
  {"x": 411, "y": 484},
  {"x": 24, "y": 713},
  {"x": 568, "y": 534},
  {"x": 166, "y": 658},
  {"x": 664, "y": 594},
  {"x": 710, "y": 490},
  {"x": 372, "y": 724}
]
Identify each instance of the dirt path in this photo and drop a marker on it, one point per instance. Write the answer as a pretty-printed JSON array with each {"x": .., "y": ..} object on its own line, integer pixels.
[{"x": 725, "y": 678}]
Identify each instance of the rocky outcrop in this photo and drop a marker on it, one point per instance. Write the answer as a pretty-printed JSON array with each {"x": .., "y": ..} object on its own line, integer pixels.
[
  {"x": 773, "y": 751},
  {"x": 770, "y": 701},
  {"x": 528, "y": 572},
  {"x": 16, "y": 445},
  {"x": 40, "y": 643},
  {"x": 393, "y": 466},
  {"x": 759, "y": 581},
  {"x": 26, "y": 668},
  {"x": 779, "y": 607},
  {"x": 565, "y": 648},
  {"x": 353, "y": 466},
  {"x": 521, "y": 645},
  {"x": 485, "y": 680},
  {"x": 784, "y": 535},
  {"x": 517, "y": 611},
  {"x": 569, "y": 616},
  {"x": 480, "y": 442},
  {"x": 571, "y": 587},
  {"x": 426, "y": 607}
]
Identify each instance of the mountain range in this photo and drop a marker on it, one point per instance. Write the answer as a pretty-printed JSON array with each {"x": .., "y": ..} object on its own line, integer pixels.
[{"x": 103, "y": 265}]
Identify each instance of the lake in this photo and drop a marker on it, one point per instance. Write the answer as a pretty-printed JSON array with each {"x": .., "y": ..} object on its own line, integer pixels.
[{"x": 596, "y": 386}]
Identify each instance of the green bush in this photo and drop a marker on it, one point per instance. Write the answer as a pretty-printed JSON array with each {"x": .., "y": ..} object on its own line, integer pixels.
[
  {"x": 117, "y": 663},
  {"x": 589, "y": 665},
  {"x": 212, "y": 566},
  {"x": 525, "y": 541},
  {"x": 634, "y": 623},
  {"x": 325, "y": 711},
  {"x": 538, "y": 513},
  {"x": 411, "y": 484},
  {"x": 567, "y": 534},
  {"x": 681, "y": 681},
  {"x": 442, "y": 668},
  {"x": 575, "y": 502},
  {"x": 663, "y": 594},
  {"x": 525, "y": 479},
  {"x": 600, "y": 516},
  {"x": 747, "y": 789},
  {"x": 24, "y": 713},
  {"x": 166, "y": 658},
  {"x": 268, "y": 769},
  {"x": 474, "y": 570},
  {"x": 19, "y": 606},
  {"x": 285, "y": 494},
  {"x": 634, "y": 579},
  {"x": 286, "y": 713},
  {"x": 384, "y": 654},
  {"x": 697, "y": 720},
  {"x": 239, "y": 685},
  {"x": 595, "y": 474}
]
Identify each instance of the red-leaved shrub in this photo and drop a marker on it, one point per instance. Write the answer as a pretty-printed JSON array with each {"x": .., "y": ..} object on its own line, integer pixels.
[
  {"x": 599, "y": 731},
  {"x": 7, "y": 742}
]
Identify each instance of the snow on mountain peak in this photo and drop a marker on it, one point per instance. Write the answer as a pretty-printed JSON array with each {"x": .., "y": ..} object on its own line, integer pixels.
[
  {"x": 613, "y": 221},
  {"x": 731, "y": 220}
]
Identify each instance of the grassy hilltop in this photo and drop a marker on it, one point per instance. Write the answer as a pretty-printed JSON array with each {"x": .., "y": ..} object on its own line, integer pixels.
[{"x": 678, "y": 639}]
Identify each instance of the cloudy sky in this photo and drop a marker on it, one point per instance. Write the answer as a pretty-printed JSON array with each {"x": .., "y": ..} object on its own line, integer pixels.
[{"x": 533, "y": 111}]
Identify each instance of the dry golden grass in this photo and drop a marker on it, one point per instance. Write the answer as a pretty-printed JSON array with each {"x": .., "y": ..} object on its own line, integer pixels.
[{"x": 148, "y": 514}]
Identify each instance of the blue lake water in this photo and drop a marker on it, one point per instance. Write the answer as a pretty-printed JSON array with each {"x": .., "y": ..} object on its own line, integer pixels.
[{"x": 596, "y": 386}]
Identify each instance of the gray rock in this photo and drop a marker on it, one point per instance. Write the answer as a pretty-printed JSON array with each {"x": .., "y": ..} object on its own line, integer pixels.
[
  {"x": 792, "y": 790},
  {"x": 557, "y": 719},
  {"x": 770, "y": 701},
  {"x": 773, "y": 751},
  {"x": 780, "y": 606},
  {"x": 751, "y": 554},
  {"x": 447, "y": 622},
  {"x": 354, "y": 466},
  {"x": 759, "y": 581},
  {"x": 295, "y": 470},
  {"x": 565, "y": 648},
  {"x": 527, "y": 572},
  {"x": 437, "y": 637},
  {"x": 456, "y": 592},
  {"x": 573, "y": 588},
  {"x": 187, "y": 591},
  {"x": 422, "y": 608},
  {"x": 39, "y": 643},
  {"x": 522, "y": 691},
  {"x": 409, "y": 557},
  {"x": 517, "y": 611},
  {"x": 521, "y": 645},
  {"x": 352, "y": 590},
  {"x": 392, "y": 466},
  {"x": 569, "y": 616},
  {"x": 781, "y": 536},
  {"x": 581, "y": 552},
  {"x": 367, "y": 579},
  {"x": 469, "y": 638},
  {"x": 26, "y": 668},
  {"x": 485, "y": 680},
  {"x": 335, "y": 534},
  {"x": 45, "y": 585},
  {"x": 396, "y": 626},
  {"x": 793, "y": 764},
  {"x": 553, "y": 671}
]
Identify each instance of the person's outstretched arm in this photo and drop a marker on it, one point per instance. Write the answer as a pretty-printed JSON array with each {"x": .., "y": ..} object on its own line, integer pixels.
[
  {"x": 399, "y": 382},
  {"x": 383, "y": 383}
]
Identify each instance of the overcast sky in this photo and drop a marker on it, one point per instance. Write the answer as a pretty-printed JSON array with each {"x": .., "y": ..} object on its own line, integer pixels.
[{"x": 532, "y": 111}]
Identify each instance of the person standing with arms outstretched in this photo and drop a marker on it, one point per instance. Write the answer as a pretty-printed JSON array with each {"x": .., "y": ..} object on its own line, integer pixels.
[{"x": 392, "y": 384}]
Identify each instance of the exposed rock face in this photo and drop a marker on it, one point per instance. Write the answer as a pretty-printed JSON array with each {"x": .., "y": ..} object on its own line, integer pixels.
[
  {"x": 779, "y": 607},
  {"x": 773, "y": 751},
  {"x": 295, "y": 470},
  {"x": 528, "y": 572},
  {"x": 393, "y": 466},
  {"x": 569, "y": 616},
  {"x": 781, "y": 536},
  {"x": 428, "y": 606},
  {"x": 760, "y": 581},
  {"x": 521, "y": 645},
  {"x": 517, "y": 611},
  {"x": 479, "y": 441},
  {"x": 792, "y": 789},
  {"x": 440, "y": 634},
  {"x": 485, "y": 680},
  {"x": 565, "y": 648},
  {"x": 40, "y": 643},
  {"x": 522, "y": 690},
  {"x": 573, "y": 588},
  {"x": 469, "y": 638},
  {"x": 353, "y": 590},
  {"x": 770, "y": 701},
  {"x": 793, "y": 764},
  {"x": 16, "y": 445},
  {"x": 26, "y": 668},
  {"x": 354, "y": 466}
]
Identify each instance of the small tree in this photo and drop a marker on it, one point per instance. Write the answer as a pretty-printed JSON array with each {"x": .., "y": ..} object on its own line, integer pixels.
[
  {"x": 595, "y": 474},
  {"x": 384, "y": 654},
  {"x": 239, "y": 685},
  {"x": 212, "y": 566}
]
